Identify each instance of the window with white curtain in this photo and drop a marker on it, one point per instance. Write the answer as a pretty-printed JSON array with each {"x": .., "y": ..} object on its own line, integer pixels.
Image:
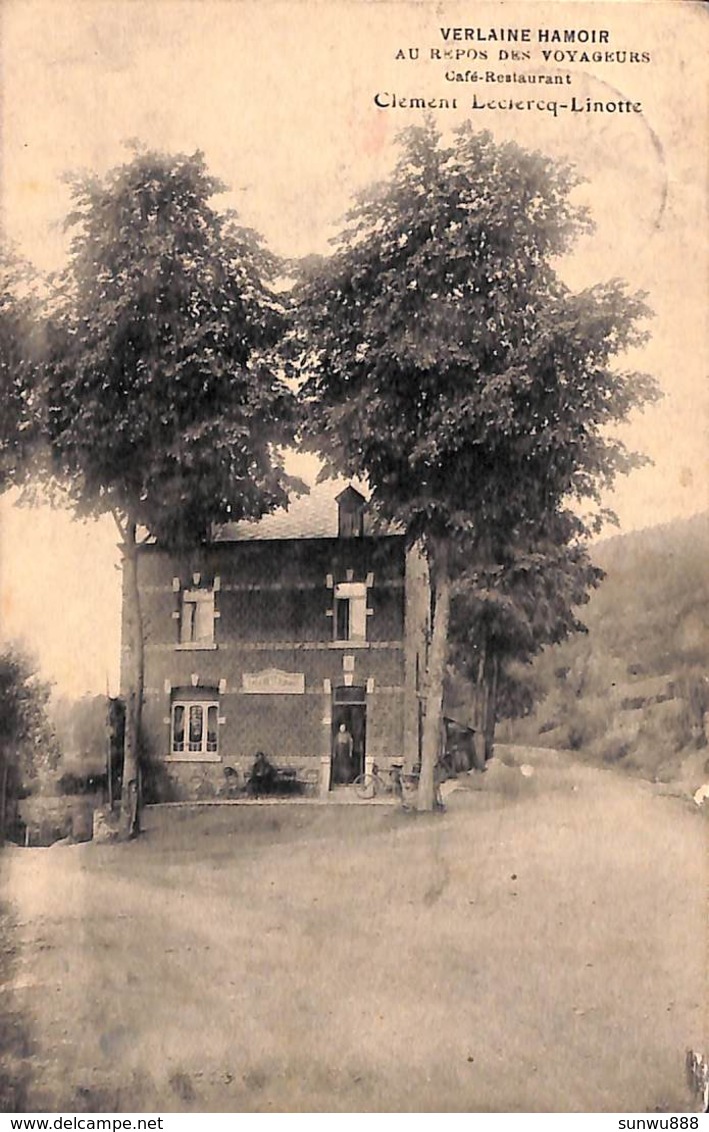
[{"x": 194, "y": 728}]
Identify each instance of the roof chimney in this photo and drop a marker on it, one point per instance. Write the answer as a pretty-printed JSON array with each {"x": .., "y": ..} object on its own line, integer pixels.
[{"x": 350, "y": 513}]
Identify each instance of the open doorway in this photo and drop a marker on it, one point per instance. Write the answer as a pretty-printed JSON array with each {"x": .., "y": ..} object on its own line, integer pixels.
[{"x": 349, "y": 708}]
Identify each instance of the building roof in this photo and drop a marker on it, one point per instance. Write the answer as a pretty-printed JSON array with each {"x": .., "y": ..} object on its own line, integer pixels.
[{"x": 308, "y": 516}]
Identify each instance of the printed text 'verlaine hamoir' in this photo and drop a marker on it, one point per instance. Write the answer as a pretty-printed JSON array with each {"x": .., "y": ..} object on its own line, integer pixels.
[{"x": 525, "y": 35}]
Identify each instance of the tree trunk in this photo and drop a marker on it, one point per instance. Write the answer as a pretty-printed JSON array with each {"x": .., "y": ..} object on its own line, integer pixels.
[
  {"x": 491, "y": 705},
  {"x": 130, "y": 794},
  {"x": 440, "y": 578},
  {"x": 109, "y": 754},
  {"x": 480, "y": 698}
]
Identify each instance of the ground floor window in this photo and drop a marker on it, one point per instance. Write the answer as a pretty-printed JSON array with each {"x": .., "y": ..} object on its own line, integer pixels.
[{"x": 195, "y": 727}]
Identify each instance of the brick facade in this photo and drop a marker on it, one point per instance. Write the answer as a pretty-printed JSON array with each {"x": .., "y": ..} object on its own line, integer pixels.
[{"x": 273, "y": 667}]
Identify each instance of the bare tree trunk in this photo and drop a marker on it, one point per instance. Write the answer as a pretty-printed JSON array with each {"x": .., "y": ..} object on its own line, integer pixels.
[
  {"x": 130, "y": 795},
  {"x": 438, "y": 655}
]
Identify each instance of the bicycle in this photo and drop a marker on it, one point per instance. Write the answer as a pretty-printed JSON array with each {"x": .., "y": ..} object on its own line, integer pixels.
[
  {"x": 404, "y": 786},
  {"x": 367, "y": 786}
]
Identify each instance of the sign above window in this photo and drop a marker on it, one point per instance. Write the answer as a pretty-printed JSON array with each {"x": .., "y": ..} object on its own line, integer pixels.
[{"x": 272, "y": 681}]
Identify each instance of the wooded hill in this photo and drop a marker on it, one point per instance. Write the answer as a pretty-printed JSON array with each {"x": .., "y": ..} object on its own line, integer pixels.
[{"x": 634, "y": 690}]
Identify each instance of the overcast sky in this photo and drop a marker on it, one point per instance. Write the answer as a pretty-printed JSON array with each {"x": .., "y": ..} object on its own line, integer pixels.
[{"x": 279, "y": 96}]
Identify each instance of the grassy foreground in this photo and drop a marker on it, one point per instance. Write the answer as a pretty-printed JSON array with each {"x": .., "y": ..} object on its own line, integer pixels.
[{"x": 541, "y": 946}]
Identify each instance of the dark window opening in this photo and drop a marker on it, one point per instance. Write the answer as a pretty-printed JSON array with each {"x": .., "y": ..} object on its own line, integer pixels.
[{"x": 342, "y": 619}]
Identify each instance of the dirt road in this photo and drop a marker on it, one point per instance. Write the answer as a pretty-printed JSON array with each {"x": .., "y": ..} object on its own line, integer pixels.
[{"x": 542, "y": 946}]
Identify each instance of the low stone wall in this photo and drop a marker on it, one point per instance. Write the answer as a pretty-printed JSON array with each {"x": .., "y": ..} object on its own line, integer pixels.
[{"x": 201, "y": 782}]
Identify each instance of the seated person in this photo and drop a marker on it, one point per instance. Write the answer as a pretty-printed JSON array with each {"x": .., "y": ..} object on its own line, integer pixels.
[{"x": 262, "y": 779}]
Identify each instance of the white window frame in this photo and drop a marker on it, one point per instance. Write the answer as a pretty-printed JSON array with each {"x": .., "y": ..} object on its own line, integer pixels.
[
  {"x": 196, "y": 608},
  {"x": 356, "y": 594},
  {"x": 207, "y": 749}
]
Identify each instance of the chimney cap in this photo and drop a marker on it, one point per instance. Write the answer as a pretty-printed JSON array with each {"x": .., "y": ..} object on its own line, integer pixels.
[
  {"x": 351, "y": 506},
  {"x": 350, "y": 494}
]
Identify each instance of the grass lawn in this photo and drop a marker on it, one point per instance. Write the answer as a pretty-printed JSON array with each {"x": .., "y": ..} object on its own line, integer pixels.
[{"x": 541, "y": 946}]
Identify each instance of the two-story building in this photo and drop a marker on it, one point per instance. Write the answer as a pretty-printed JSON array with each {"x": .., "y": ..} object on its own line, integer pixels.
[{"x": 274, "y": 634}]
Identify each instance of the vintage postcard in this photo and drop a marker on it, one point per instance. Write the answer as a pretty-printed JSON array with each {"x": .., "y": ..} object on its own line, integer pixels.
[{"x": 410, "y": 839}]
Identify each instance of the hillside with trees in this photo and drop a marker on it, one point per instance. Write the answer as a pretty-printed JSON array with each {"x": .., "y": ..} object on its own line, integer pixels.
[{"x": 634, "y": 690}]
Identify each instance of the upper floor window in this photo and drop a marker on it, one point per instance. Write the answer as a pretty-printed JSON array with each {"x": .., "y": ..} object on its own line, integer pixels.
[
  {"x": 197, "y": 617},
  {"x": 350, "y": 611}
]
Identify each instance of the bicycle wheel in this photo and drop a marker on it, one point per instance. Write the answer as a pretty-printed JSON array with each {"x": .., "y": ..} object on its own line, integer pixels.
[{"x": 365, "y": 786}]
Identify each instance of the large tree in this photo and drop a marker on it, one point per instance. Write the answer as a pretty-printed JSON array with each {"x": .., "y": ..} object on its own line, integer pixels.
[
  {"x": 447, "y": 362},
  {"x": 163, "y": 408}
]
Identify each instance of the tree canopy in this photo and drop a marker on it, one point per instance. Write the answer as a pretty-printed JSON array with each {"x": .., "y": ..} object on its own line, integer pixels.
[
  {"x": 163, "y": 406},
  {"x": 522, "y": 603},
  {"x": 20, "y": 334},
  {"x": 445, "y": 358}
]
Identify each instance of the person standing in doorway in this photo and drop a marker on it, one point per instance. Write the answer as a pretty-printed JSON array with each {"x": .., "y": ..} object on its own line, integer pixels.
[{"x": 342, "y": 760}]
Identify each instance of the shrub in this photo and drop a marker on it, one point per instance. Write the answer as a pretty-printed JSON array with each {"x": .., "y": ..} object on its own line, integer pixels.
[{"x": 73, "y": 784}]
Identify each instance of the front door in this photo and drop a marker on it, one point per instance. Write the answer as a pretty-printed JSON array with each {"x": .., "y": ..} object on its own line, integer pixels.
[{"x": 352, "y": 713}]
